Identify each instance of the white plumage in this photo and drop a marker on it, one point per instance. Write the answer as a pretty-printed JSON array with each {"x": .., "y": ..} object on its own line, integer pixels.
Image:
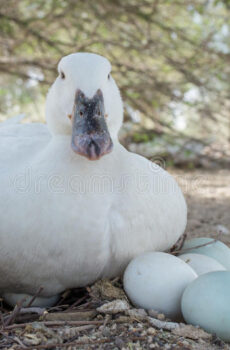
[{"x": 66, "y": 221}]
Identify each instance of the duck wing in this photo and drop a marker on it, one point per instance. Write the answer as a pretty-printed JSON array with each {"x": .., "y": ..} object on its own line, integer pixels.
[
  {"x": 20, "y": 142},
  {"x": 14, "y": 120}
]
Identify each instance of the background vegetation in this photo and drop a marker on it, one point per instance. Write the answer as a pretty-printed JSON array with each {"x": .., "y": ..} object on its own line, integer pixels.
[{"x": 171, "y": 60}]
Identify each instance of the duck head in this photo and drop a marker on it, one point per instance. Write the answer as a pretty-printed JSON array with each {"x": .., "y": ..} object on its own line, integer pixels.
[{"x": 84, "y": 103}]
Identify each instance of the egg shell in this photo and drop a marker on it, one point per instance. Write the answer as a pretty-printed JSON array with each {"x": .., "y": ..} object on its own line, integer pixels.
[
  {"x": 201, "y": 263},
  {"x": 156, "y": 280},
  {"x": 216, "y": 250},
  {"x": 206, "y": 303}
]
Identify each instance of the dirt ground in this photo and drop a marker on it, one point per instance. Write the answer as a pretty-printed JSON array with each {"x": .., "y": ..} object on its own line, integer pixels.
[
  {"x": 77, "y": 323},
  {"x": 208, "y": 199}
]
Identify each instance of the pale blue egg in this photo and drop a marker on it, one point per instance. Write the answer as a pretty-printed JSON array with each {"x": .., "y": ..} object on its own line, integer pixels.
[
  {"x": 206, "y": 303},
  {"x": 201, "y": 263},
  {"x": 216, "y": 250},
  {"x": 156, "y": 280}
]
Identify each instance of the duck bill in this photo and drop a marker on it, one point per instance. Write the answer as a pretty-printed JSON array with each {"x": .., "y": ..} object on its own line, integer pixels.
[{"x": 90, "y": 135}]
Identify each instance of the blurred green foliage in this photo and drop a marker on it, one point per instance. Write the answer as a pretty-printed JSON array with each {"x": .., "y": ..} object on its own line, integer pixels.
[{"x": 170, "y": 58}]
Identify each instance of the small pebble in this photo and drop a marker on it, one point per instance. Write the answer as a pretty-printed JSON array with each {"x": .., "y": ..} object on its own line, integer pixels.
[
  {"x": 143, "y": 333},
  {"x": 106, "y": 332},
  {"x": 119, "y": 342},
  {"x": 185, "y": 342},
  {"x": 100, "y": 317},
  {"x": 151, "y": 331},
  {"x": 161, "y": 317},
  {"x": 114, "y": 327},
  {"x": 149, "y": 339},
  {"x": 153, "y": 313},
  {"x": 167, "y": 346},
  {"x": 137, "y": 313},
  {"x": 123, "y": 319},
  {"x": 140, "y": 325}
]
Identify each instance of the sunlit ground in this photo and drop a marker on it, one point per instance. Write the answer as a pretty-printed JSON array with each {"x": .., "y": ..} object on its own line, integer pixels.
[{"x": 207, "y": 194}]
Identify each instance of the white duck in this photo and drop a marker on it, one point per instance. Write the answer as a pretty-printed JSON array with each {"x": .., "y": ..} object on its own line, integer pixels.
[{"x": 76, "y": 206}]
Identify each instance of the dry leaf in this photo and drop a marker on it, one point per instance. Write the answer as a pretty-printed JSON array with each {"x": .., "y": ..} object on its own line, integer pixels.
[{"x": 114, "y": 307}]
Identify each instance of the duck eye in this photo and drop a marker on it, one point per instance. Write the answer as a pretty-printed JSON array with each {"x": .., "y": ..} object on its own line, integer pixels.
[{"x": 62, "y": 75}]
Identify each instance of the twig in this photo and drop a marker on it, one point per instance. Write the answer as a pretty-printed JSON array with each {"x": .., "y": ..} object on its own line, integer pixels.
[
  {"x": 64, "y": 345},
  {"x": 35, "y": 296},
  {"x": 179, "y": 244},
  {"x": 25, "y": 314},
  {"x": 169, "y": 326},
  {"x": 63, "y": 297},
  {"x": 107, "y": 319},
  {"x": 32, "y": 310},
  {"x": 17, "y": 340},
  {"x": 80, "y": 329},
  {"x": 2, "y": 319},
  {"x": 70, "y": 316},
  {"x": 83, "y": 306},
  {"x": 14, "y": 313},
  {"x": 115, "y": 280},
  {"x": 197, "y": 246},
  {"x": 58, "y": 307},
  {"x": 6, "y": 335},
  {"x": 22, "y": 318},
  {"x": 74, "y": 343},
  {"x": 56, "y": 323},
  {"x": 77, "y": 302}
]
